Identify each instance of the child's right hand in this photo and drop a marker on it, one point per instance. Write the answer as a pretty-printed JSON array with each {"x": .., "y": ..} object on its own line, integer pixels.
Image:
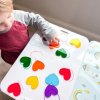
[{"x": 55, "y": 39}]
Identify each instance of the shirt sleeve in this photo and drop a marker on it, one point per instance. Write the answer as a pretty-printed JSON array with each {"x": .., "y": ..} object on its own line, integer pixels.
[{"x": 32, "y": 19}]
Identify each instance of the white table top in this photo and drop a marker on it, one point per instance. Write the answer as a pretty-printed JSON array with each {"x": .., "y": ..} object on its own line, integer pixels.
[{"x": 48, "y": 80}]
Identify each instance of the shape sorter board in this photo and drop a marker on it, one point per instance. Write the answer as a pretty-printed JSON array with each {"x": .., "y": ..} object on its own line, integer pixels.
[{"x": 41, "y": 73}]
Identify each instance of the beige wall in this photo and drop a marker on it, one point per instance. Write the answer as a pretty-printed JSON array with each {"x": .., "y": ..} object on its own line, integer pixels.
[{"x": 82, "y": 16}]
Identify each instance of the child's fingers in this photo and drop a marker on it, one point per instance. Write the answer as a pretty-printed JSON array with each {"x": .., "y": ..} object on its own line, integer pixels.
[{"x": 56, "y": 40}]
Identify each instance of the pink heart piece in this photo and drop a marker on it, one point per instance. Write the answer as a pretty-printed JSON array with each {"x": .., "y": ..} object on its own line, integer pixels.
[
  {"x": 15, "y": 89},
  {"x": 66, "y": 73}
]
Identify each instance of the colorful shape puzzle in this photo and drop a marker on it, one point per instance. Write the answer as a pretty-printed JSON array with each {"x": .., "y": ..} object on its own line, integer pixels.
[{"x": 46, "y": 71}]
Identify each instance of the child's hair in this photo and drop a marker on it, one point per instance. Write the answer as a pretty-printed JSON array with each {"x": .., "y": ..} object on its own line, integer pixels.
[{"x": 6, "y": 5}]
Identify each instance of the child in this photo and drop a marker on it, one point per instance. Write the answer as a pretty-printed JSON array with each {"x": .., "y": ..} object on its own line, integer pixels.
[{"x": 14, "y": 30}]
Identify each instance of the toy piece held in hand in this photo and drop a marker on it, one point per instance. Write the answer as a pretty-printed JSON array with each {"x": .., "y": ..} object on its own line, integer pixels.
[
  {"x": 76, "y": 43},
  {"x": 53, "y": 45}
]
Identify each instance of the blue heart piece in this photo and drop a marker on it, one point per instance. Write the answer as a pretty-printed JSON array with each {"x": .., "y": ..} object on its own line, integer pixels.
[{"x": 52, "y": 79}]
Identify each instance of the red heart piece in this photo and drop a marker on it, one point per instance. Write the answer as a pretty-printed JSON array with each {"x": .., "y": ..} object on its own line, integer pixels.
[
  {"x": 15, "y": 89},
  {"x": 66, "y": 73},
  {"x": 38, "y": 65}
]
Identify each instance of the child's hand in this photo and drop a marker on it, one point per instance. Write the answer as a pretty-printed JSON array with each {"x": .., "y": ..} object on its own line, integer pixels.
[
  {"x": 54, "y": 42},
  {"x": 54, "y": 39}
]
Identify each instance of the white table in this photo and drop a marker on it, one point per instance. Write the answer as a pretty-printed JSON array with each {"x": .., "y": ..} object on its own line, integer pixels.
[{"x": 47, "y": 80}]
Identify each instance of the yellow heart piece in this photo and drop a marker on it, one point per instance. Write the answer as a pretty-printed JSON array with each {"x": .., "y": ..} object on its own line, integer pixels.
[
  {"x": 33, "y": 81},
  {"x": 75, "y": 42}
]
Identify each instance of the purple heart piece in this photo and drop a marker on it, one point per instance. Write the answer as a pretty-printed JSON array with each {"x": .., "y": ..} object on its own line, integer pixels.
[{"x": 51, "y": 90}]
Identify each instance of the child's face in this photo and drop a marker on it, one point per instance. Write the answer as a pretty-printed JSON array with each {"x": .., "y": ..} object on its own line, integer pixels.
[{"x": 6, "y": 21}]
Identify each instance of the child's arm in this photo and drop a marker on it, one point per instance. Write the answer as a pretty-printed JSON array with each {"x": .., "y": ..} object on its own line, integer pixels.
[{"x": 32, "y": 19}]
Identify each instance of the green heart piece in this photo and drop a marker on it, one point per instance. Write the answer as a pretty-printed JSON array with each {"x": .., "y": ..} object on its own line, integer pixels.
[
  {"x": 25, "y": 61},
  {"x": 62, "y": 53}
]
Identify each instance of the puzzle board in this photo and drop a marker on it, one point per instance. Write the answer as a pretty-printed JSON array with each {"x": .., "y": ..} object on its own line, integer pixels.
[{"x": 41, "y": 73}]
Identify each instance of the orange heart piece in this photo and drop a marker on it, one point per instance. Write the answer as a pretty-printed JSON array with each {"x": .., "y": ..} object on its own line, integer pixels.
[
  {"x": 38, "y": 65},
  {"x": 53, "y": 45}
]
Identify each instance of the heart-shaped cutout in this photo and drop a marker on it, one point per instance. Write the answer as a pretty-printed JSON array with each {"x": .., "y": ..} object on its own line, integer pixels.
[
  {"x": 32, "y": 81},
  {"x": 76, "y": 43},
  {"x": 62, "y": 53},
  {"x": 25, "y": 61},
  {"x": 52, "y": 79},
  {"x": 66, "y": 73},
  {"x": 38, "y": 65},
  {"x": 53, "y": 45},
  {"x": 51, "y": 90},
  {"x": 15, "y": 89}
]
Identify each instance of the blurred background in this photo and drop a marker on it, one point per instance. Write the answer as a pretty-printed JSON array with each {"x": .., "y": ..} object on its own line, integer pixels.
[{"x": 80, "y": 16}]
